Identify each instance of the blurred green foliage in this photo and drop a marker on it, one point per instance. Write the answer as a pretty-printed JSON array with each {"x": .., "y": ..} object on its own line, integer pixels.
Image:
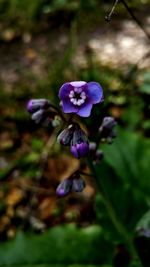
[
  {"x": 60, "y": 245},
  {"x": 22, "y": 15}
]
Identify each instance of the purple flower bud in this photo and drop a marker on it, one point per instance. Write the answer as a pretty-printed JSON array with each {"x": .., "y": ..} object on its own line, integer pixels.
[
  {"x": 41, "y": 112},
  {"x": 79, "y": 144},
  {"x": 65, "y": 136},
  {"x": 80, "y": 150},
  {"x": 38, "y": 116},
  {"x": 36, "y": 104},
  {"x": 96, "y": 154},
  {"x": 108, "y": 123},
  {"x": 64, "y": 188},
  {"x": 78, "y": 185},
  {"x": 106, "y": 129}
]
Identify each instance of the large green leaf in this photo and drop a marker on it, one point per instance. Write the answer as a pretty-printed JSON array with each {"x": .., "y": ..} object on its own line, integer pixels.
[
  {"x": 129, "y": 156},
  {"x": 60, "y": 245},
  {"x": 124, "y": 175}
]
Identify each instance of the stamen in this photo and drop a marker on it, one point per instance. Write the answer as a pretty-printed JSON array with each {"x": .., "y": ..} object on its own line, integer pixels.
[
  {"x": 83, "y": 95},
  {"x": 78, "y": 89},
  {"x": 71, "y": 94},
  {"x": 75, "y": 101},
  {"x": 80, "y": 102}
]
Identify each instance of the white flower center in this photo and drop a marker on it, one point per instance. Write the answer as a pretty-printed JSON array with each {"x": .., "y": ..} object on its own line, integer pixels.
[{"x": 77, "y": 96}]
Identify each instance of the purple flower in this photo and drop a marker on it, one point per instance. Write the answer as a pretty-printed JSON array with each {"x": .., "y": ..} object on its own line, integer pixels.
[{"x": 79, "y": 96}]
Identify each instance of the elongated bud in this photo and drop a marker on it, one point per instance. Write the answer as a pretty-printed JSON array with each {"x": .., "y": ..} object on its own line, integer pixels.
[
  {"x": 106, "y": 129},
  {"x": 78, "y": 185},
  {"x": 74, "y": 183},
  {"x": 96, "y": 154},
  {"x": 38, "y": 116},
  {"x": 64, "y": 188},
  {"x": 37, "y": 104},
  {"x": 107, "y": 123},
  {"x": 79, "y": 144},
  {"x": 65, "y": 137}
]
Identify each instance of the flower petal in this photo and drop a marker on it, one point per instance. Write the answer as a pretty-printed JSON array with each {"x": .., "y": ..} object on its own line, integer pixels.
[
  {"x": 94, "y": 92},
  {"x": 68, "y": 107},
  {"x": 85, "y": 110},
  {"x": 78, "y": 83},
  {"x": 64, "y": 91}
]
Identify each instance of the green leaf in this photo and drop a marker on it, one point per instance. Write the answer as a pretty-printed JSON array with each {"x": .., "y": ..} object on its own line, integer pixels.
[
  {"x": 60, "y": 245},
  {"x": 129, "y": 156},
  {"x": 124, "y": 175}
]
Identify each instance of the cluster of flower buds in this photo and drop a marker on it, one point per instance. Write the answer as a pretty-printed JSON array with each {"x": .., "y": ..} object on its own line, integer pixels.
[
  {"x": 76, "y": 138},
  {"x": 41, "y": 112},
  {"x": 72, "y": 184},
  {"x": 77, "y": 97},
  {"x": 96, "y": 154},
  {"x": 106, "y": 130}
]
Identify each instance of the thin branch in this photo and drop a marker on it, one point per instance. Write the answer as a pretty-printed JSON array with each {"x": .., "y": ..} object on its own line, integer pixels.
[
  {"x": 135, "y": 19},
  {"x": 138, "y": 22},
  {"x": 108, "y": 17}
]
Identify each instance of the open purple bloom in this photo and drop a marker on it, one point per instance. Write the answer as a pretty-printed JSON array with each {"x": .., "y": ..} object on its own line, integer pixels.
[{"x": 79, "y": 96}]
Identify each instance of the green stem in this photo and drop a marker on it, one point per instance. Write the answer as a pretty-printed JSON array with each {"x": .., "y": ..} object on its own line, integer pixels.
[{"x": 113, "y": 216}]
